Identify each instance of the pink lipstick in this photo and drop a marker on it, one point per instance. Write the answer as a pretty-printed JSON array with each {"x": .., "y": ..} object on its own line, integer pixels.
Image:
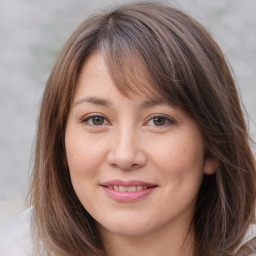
[{"x": 127, "y": 191}]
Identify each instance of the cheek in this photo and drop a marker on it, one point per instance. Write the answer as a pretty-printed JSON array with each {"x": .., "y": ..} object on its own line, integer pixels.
[
  {"x": 179, "y": 156},
  {"x": 83, "y": 156},
  {"x": 84, "y": 159},
  {"x": 181, "y": 164}
]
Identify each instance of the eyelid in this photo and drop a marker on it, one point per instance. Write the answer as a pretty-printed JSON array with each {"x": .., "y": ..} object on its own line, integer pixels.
[
  {"x": 169, "y": 119},
  {"x": 87, "y": 117}
]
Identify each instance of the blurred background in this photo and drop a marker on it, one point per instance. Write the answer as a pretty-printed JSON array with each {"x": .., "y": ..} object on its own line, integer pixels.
[{"x": 31, "y": 34}]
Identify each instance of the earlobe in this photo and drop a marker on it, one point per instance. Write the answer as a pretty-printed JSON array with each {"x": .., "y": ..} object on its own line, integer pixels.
[{"x": 210, "y": 166}]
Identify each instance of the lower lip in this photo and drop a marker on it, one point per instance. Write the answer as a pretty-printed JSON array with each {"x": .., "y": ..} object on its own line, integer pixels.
[{"x": 128, "y": 196}]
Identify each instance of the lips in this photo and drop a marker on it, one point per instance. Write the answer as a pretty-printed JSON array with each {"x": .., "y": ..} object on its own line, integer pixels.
[{"x": 127, "y": 191}]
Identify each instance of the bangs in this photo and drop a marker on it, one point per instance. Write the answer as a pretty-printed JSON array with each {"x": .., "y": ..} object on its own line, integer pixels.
[
  {"x": 137, "y": 62},
  {"x": 159, "y": 55},
  {"x": 129, "y": 71}
]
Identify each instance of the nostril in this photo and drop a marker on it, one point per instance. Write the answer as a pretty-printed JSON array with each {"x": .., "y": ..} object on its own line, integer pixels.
[
  {"x": 126, "y": 158},
  {"x": 125, "y": 167}
]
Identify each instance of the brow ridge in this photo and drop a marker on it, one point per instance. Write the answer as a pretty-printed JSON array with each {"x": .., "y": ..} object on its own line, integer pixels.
[
  {"x": 107, "y": 103},
  {"x": 94, "y": 100}
]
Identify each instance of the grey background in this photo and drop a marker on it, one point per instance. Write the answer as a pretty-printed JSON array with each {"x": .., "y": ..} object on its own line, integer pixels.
[{"x": 31, "y": 34}]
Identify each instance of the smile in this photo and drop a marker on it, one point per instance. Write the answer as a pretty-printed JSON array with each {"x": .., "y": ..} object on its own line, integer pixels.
[
  {"x": 127, "y": 189},
  {"x": 123, "y": 191}
]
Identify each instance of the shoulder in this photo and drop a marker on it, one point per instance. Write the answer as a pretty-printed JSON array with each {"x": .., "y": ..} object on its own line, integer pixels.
[
  {"x": 248, "y": 243},
  {"x": 250, "y": 234},
  {"x": 15, "y": 237}
]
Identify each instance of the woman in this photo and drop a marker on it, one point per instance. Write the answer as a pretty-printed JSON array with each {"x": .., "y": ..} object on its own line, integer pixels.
[{"x": 142, "y": 148}]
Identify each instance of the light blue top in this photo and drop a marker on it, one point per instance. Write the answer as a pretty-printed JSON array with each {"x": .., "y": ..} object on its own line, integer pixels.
[{"x": 16, "y": 240}]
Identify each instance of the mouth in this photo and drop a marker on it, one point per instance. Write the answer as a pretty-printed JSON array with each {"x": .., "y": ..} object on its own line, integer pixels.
[
  {"x": 128, "y": 191},
  {"x": 128, "y": 188}
]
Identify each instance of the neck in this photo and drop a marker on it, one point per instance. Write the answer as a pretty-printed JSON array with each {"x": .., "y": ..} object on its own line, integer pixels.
[{"x": 177, "y": 243}]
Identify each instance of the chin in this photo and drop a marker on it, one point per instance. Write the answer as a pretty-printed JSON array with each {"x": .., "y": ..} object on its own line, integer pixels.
[{"x": 127, "y": 227}]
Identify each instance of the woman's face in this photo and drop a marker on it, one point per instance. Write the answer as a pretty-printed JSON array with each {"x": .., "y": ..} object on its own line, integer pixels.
[{"x": 136, "y": 165}]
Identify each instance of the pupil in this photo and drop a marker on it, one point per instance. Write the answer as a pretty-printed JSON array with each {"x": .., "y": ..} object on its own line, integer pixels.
[
  {"x": 158, "y": 121},
  {"x": 97, "y": 120}
]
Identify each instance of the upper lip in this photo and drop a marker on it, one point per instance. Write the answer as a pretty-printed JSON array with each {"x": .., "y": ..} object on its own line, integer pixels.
[{"x": 129, "y": 183}]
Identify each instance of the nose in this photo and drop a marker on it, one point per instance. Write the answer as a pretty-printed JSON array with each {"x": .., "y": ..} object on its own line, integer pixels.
[{"x": 126, "y": 150}]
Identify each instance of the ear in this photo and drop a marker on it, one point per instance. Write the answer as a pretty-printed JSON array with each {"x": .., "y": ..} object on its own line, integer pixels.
[{"x": 210, "y": 165}]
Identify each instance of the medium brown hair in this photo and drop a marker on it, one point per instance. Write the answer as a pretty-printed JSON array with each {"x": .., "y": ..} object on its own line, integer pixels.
[{"x": 152, "y": 49}]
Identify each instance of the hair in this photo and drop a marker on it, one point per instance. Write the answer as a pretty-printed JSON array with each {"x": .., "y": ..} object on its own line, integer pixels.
[{"x": 152, "y": 49}]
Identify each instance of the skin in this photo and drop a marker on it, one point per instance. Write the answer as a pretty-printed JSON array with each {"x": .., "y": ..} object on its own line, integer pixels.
[{"x": 126, "y": 143}]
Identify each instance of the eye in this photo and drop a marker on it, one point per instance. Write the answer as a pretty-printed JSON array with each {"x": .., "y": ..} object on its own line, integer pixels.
[
  {"x": 160, "y": 121},
  {"x": 95, "y": 120}
]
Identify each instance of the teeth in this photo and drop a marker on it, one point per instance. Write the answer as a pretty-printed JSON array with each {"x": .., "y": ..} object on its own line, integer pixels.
[
  {"x": 127, "y": 189},
  {"x": 122, "y": 189},
  {"x": 131, "y": 189},
  {"x": 139, "y": 188}
]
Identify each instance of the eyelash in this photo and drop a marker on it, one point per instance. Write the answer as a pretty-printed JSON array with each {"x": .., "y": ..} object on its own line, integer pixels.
[
  {"x": 167, "y": 120},
  {"x": 90, "y": 117}
]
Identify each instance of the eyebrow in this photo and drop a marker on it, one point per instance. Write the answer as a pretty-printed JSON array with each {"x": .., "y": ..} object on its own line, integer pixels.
[
  {"x": 107, "y": 103},
  {"x": 94, "y": 100},
  {"x": 150, "y": 103}
]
